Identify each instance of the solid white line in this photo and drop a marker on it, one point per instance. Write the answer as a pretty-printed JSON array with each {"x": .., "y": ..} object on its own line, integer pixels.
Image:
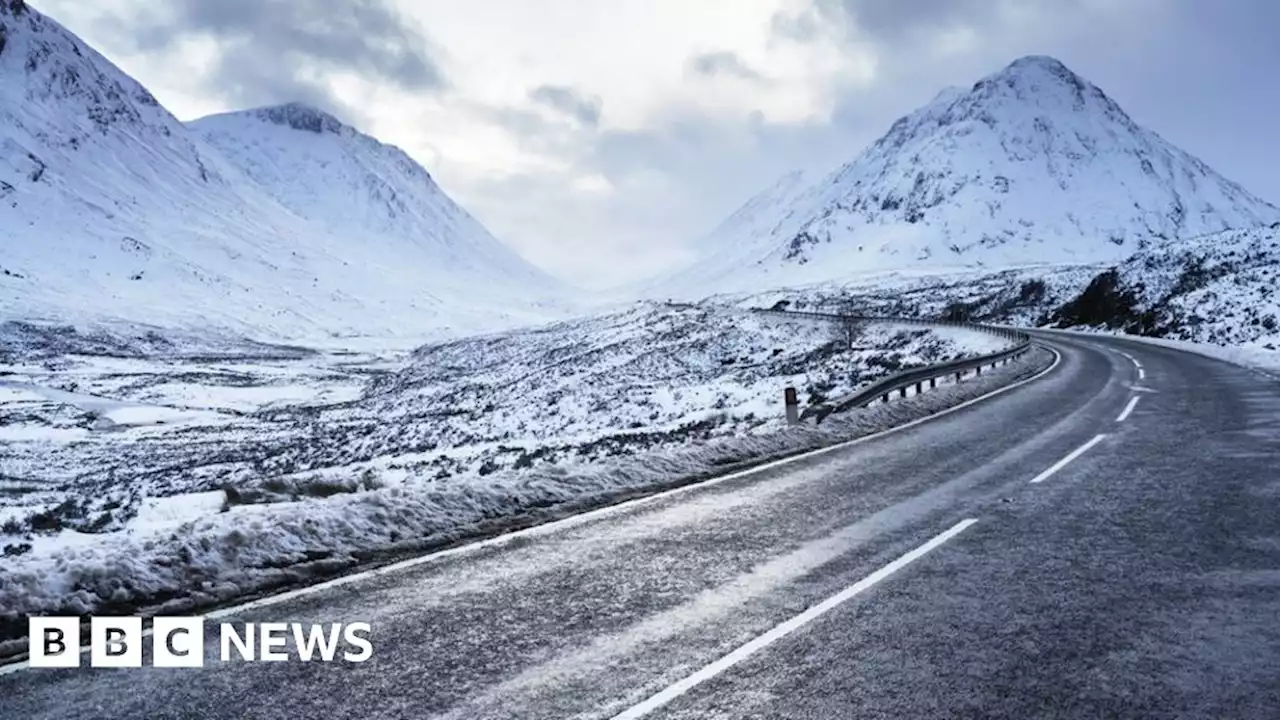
[
  {"x": 1124, "y": 415},
  {"x": 1142, "y": 374},
  {"x": 1063, "y": 462},
  {"x": 581, "y": 518},
  {"x": 671, "y": 692}
]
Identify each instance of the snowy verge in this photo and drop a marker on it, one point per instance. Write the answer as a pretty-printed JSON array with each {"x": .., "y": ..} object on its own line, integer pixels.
[{"x": 255, "y": 549}]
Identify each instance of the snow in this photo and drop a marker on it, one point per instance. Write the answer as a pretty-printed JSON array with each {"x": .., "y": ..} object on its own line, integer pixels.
[
  {"x": 1218, "y": 289},
  {"x": 250, "y": 222},
  {"x": 456, "y": 436},
  {"x": 151, "y": 451},
  {"x": 1262, "y": 359},
  {"x": 167, "y": 513},
  {"x": 1032, "y": 165},
  {"x": 108, "y": 430},
  {"x": 216, "y": 557}
]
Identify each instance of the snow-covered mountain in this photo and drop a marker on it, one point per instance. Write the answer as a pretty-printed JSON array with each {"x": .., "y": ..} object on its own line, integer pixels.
[
  {"x": 360, "y": 189},
  {"x": 1031, "y": 165},
  {"x": 285, "y": 223}
]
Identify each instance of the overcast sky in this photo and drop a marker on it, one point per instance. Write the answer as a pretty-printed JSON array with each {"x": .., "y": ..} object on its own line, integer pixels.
[{"x": 599, "y": 138}]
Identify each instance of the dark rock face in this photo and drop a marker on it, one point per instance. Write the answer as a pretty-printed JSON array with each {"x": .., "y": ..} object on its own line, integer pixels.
[
  {"x": 302, "y": 117},
  {"x": 1108, "y": 302}
]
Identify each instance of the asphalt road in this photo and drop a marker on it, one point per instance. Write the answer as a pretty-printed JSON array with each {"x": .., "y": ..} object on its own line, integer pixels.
[{"x": 917, "y": 574}]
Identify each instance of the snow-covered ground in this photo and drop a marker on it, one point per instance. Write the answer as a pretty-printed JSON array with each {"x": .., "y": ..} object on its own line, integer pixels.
[
  {"x": 106, "y": 451},
  {"x": 104, "y": 431},
  {"x": 1218, "y": 289},
  {"x": 1024, "y": 296},
  {"x": 180, "y": 553}
]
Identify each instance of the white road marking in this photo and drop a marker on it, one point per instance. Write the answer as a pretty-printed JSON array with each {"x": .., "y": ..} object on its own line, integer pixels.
[
  {"x": 581, "y": 518},
  {"x": 671, "y": 692},
  {"x": 1064, "y": 461},
  {"x": 1142, "y": 374},
  {"x": 1132, "y": 359},
  {"x": 1124, "y": 415}
]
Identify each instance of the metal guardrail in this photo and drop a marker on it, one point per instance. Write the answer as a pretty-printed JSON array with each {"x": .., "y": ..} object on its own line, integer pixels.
[{"x": 900, "y": 383}]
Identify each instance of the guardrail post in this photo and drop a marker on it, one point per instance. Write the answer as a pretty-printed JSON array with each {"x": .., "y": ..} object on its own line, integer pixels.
[
  {"x": 793, "y": 405},
  {"x": 979, "y": 370},
  {"x": 959, "y": 376},
  {"x": 902, "y": 392},
  {"x": 933, "y": 383},
  {"x": 886, "y": 397}
]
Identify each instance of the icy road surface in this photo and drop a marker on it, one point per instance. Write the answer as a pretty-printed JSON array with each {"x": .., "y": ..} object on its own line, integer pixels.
[{"x": 1102, "y": 541}]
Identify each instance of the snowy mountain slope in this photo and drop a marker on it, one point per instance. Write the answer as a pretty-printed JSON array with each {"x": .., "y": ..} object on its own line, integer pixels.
[
  {"x": 111, "y": 209},
  {"x": 1218, "y": 289},
  {"x": 354, "y": 185},
  {"x": 1031, "y": 165}
]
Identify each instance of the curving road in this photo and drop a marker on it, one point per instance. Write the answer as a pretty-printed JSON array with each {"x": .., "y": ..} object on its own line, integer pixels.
[{"x": 920, "y": 573}]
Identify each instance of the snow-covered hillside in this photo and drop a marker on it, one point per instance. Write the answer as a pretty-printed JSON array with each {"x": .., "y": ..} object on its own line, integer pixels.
[
  {"x": 114, "y": 210},
  {"x": 1031, "y": 165},
  {"x": 1218, "y": 289},
  {"x": 380, "y": 202}
]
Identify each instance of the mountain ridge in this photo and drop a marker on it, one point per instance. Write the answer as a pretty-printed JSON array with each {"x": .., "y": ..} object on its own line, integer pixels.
[
  {"x": 113, "y": 210},
  {"x": 1031, "y": 164}
]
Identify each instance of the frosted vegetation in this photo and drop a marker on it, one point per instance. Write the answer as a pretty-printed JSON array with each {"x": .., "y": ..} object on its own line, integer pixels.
[
  {"x": 92, "y": 426},
  {"x": 196, "y": 549}
]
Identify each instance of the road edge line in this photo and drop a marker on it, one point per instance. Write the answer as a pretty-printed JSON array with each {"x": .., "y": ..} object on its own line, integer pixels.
[
  {"x": 582, "y": 517},
  {"x": 777, "y": 632}
]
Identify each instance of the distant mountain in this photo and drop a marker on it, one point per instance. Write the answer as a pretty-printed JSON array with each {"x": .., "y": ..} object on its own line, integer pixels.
[
  {"x": 1031, "y": 165},
  {"x": 278, "y": 223},
  {"x": 360, "y": 189}
]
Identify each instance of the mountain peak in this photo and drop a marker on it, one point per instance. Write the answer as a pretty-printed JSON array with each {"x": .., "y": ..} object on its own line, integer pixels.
[
  {"x": 301, "y": 116},
  {"x": 1038, "y": 63},
  {"x": 1046, "y": 84},
  {"x": 1032, "y": 164}
]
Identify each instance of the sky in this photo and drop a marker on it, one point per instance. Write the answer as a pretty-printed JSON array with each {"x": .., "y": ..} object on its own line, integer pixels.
[{"x": 602, "y": 138}]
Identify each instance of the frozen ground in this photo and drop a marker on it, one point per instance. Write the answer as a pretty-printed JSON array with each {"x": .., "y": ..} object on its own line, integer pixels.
[{"x": 142, "y": 479}]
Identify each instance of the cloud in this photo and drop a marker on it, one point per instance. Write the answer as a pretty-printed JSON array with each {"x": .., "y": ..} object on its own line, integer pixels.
[
  {"x": 722, "y": 63},
  {"x": 605, "y": 197},
  {"x": 892, "y": 20},
  {"x": 579, "y": 106},
  {"x": 272, "y": 51}
]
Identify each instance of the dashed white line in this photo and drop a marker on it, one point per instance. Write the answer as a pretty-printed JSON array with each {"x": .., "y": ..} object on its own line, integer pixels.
[
  {"x": 1063, "y": 462},
  {"x": 1142, "y": 374},
  {"x": 671, "y": 692},
  {"x": 1124, "y": 414}
]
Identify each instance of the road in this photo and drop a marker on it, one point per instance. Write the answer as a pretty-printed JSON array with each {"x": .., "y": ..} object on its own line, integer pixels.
[{"x": 921, "y": 573}]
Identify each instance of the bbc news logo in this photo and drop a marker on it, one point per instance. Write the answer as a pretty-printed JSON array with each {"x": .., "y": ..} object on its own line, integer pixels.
[{"x": 178, "y": 642}]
